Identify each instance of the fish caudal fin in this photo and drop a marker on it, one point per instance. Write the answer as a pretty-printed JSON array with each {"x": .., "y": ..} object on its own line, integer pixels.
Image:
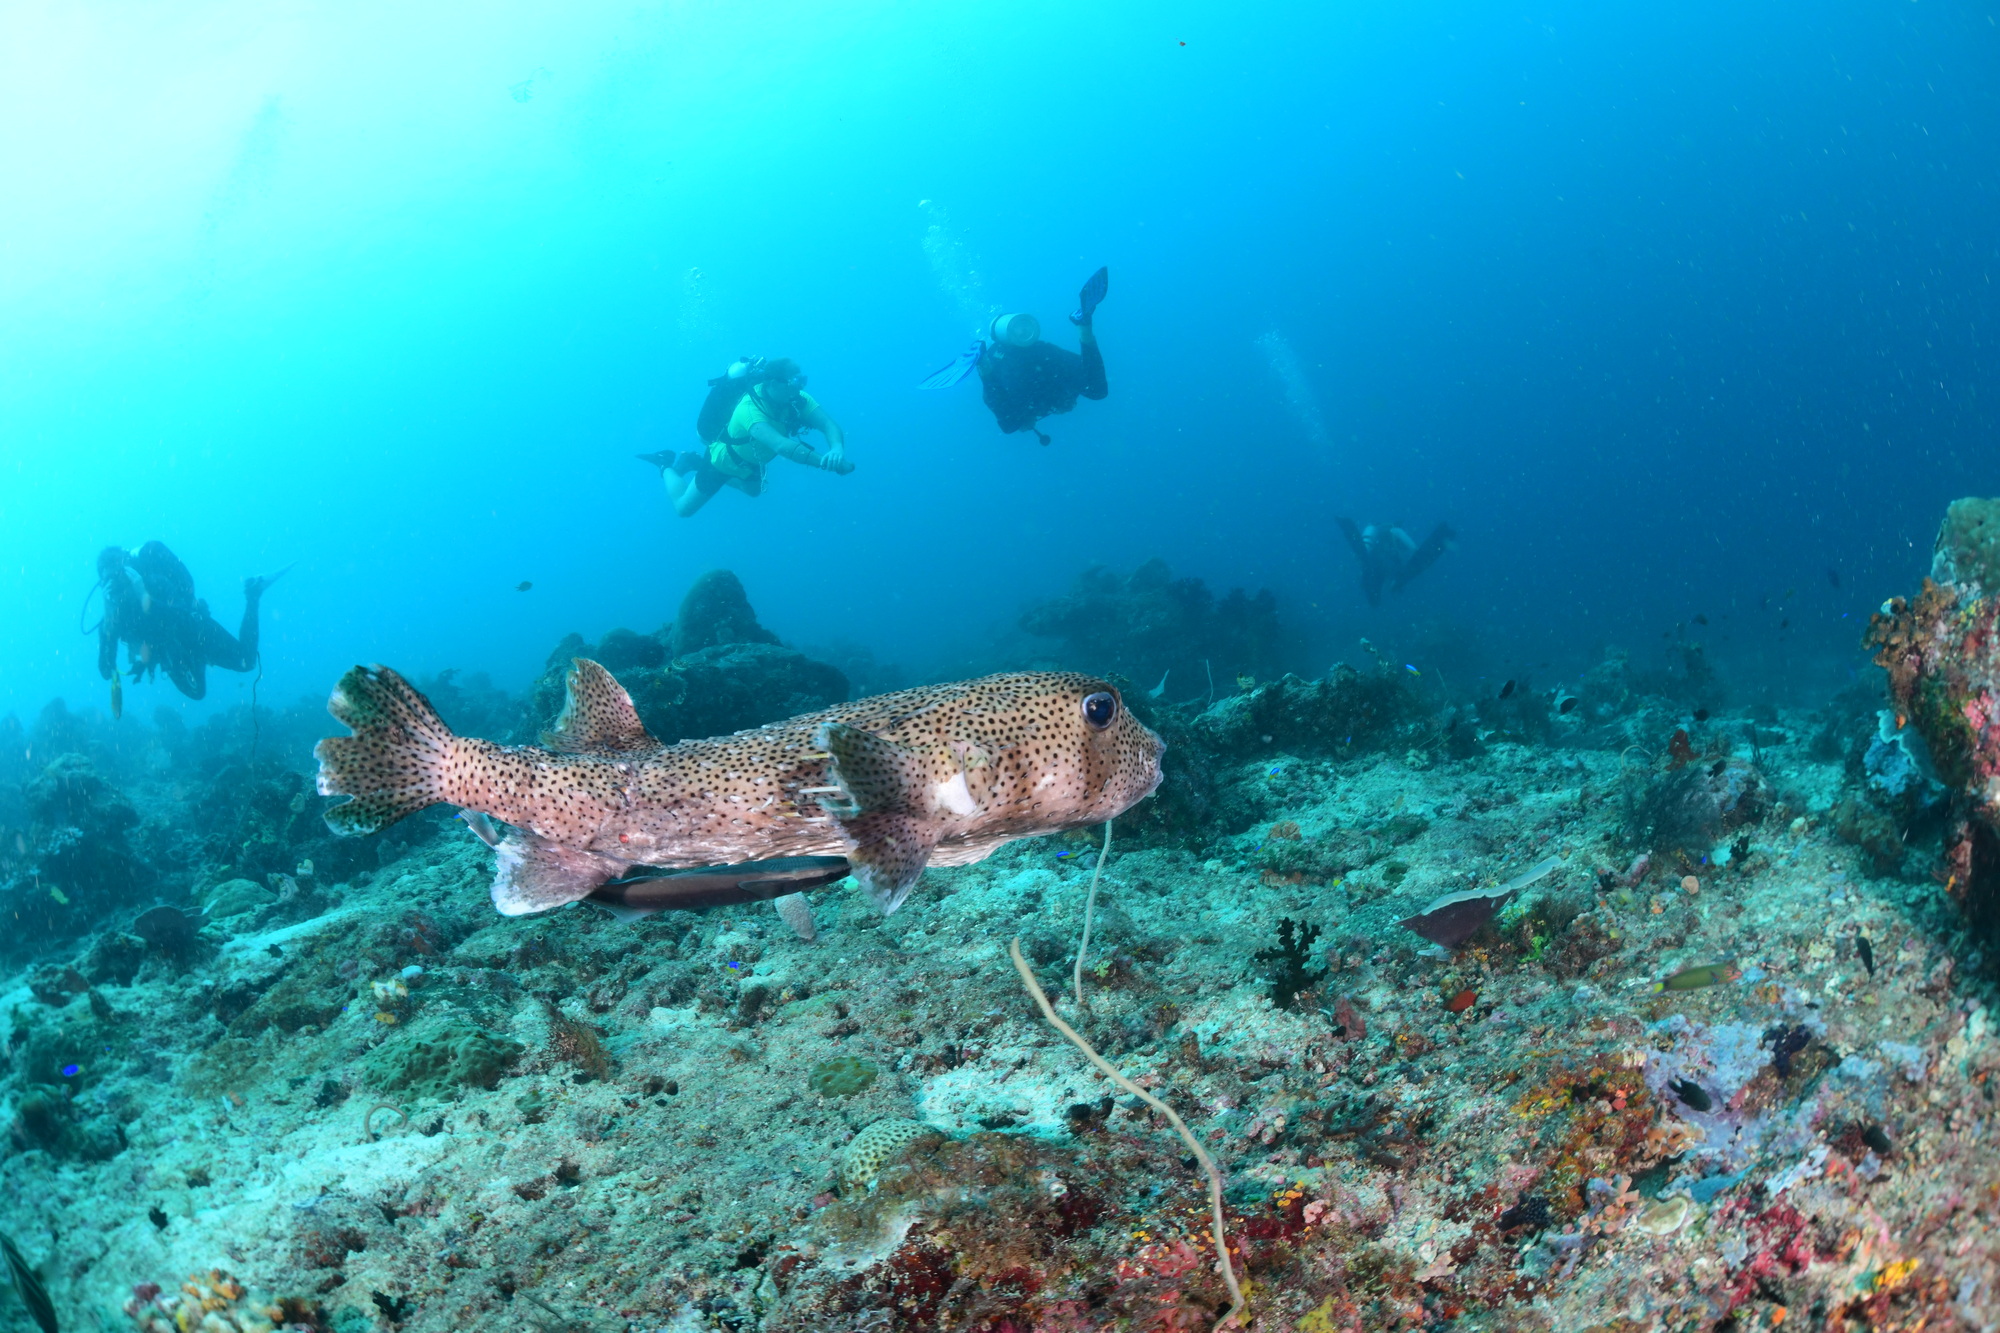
[
  {"x": 533, "y": 874},
  {"x": 891, "y": 796},
  {"x": 597, "y": 715},
  {"x": 396, "y": 761}
]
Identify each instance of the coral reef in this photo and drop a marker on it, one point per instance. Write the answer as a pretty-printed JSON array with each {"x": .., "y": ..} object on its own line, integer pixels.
[
  {"x": 1150, "y": 626},
  {"x": 71, "y": 862},
  {"x": 1942, "y": 654},
  {"x": 716, "y": 611},
  {"x": 1714, "y": 1057},
  {"x": 712, "y": 671}
]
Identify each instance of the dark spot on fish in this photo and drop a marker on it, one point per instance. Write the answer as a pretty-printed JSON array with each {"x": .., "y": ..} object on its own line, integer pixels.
[
  {"x": 1507, "y": 689},
  {"x": 1785, "y": 1043},
  {"x": 398, "y": 1308},
  {"x": 1867, "y": 952},
  {"x": 1531, "y": 1212},
  {"x": 1715, "y": 769},
  {"x": 1083, "y": 1117},
  {"x": 523, "y": 586},
  {"x": 1692, "y": 1094},
  {"x": 1567, "y": 705},
  {"x": 1875, "y": 1138},
  {"x": 1701, "y": 715},
  {"x": 158, "y": 1214}
]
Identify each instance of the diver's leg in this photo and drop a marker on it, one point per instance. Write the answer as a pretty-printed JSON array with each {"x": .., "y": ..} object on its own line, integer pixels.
[
  {"x": 685, "y": 494},
  {"x": 1094, "y": 386},
  {"x": 189, "y": 675},
  {"x": 750, "y": 486},
  {"x": 217, "y": 648},
  {"x": 691, "y": 490},
  {"x": 246, "y": 632}
]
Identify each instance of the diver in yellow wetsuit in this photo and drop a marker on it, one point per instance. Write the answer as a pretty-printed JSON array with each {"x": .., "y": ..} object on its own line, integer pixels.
[{"x": 764, "y": 425}]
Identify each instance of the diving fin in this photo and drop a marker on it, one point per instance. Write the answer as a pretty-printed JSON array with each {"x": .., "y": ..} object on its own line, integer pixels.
[
  {"x": 1094, "y": 288},
  {"x": 955, "y": 371},
  {"x": 663, "y": 459},
  {"x": 255, "y": 585}
]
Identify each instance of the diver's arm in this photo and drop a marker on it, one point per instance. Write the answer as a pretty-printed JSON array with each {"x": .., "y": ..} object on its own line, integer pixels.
[
  {"x": 789, "y": 447},
  {"x": 835, "y": 457},
  {"x": 827, "y": 426},
  {"x": 798, "y": 450}
]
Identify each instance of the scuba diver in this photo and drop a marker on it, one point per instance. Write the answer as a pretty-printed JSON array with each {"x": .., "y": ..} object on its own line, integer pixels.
[
  {"x": 149, "y": 605},
  {"x": 752, "y": 414},
  {"x": 1388, "y": 556},
  {"x": 1024, "y": 379}
]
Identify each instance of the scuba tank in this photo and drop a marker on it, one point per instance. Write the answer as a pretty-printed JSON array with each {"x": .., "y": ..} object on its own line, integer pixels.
[{"x": 725, "y": 391}]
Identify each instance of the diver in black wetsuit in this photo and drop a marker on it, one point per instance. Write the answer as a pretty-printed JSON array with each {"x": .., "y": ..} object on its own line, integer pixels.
[
  {"x": 1389, "y": 557},
  {"x": 150, "y": 606},
  {"x": 1024, "y": 379}
]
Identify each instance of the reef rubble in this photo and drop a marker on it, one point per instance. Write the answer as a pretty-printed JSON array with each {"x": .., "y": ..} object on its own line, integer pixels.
[{"x": 1720, "y": 1066}]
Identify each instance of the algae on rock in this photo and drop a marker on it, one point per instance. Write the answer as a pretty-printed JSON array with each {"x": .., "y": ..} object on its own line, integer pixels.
[
  {"x": 437, "y": 1057},
  {"x": 1968, "y": 544}
]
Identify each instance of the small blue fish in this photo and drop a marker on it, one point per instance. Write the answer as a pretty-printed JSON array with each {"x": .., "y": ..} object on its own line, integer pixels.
[
  {"x": 71, "y": 1071},
  {"x": 1274, "y": 772},
  {"x": 1412, "y": 670}
]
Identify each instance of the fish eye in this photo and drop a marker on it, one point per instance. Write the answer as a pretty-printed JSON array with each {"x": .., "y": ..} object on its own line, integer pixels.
[{"x": 1099, "y": 709}]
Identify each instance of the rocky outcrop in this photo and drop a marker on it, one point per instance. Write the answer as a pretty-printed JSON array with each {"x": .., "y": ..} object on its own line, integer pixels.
[
  {"x": 1942, "y": 652},
  {"x": 1149, "y": 625},
  {"x": 714, "y": 670}
]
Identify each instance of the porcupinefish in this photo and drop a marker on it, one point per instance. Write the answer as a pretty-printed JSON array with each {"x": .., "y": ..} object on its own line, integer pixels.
[{"x": 939, "y": 775}]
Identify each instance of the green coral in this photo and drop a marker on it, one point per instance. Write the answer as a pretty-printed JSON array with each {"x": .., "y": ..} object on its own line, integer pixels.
[
  {"x": 842, "y": 1076},
  {"x": 437, "y": 1058}
]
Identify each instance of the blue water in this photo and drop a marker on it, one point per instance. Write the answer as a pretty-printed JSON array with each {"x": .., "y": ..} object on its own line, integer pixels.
[{"x": 1668, "y": 309}]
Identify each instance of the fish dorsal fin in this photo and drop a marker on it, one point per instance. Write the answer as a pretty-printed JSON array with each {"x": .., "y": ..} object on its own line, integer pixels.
[{"x": 597, "y": 715}]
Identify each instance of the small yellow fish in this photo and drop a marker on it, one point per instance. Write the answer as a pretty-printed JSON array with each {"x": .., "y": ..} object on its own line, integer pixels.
[
  {"x": 1697, "y": 978},
  {"x": 60, "y": 897},
  {"x": 117, "y": 696}
]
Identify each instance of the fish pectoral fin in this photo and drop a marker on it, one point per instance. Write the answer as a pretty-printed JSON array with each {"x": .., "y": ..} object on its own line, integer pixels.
[
  {"x": 878, "y": 776},
  {"x": 535, "y": 874},
  {"x": 597, "y": 715},
  {"x": 889, "y": 853}
]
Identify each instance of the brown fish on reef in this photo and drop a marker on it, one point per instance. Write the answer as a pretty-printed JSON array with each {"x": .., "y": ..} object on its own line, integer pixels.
[{"x": 939, "y": 775}]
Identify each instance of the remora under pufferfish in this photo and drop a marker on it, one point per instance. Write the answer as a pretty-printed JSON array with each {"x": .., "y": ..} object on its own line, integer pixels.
[{"x": 939, "y": 775}]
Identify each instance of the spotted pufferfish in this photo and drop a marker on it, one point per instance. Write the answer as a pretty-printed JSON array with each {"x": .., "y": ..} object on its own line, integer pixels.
[{"x": 880, "y": 787}]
